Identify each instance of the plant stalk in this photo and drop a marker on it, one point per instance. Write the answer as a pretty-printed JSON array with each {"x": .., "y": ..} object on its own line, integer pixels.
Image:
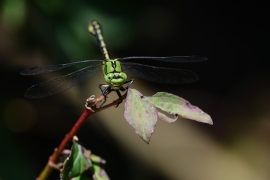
[{"x": 86, "y": 113}]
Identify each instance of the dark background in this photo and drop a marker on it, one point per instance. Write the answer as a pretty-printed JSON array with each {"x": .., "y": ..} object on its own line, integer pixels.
[{"x": 233, "y": 88}]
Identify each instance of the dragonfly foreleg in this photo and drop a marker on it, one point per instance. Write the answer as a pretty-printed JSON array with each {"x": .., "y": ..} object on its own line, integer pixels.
[
  {"x": 104, "y": 92},
  {"x": 120, "y": 98},
  {"x": 129, "y": 82}
]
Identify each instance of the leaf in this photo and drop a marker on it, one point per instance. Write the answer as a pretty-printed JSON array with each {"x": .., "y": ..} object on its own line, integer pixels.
[
  {"x": 176, "y": 105},
  {"x": 98, "y": 165},
  {"x": 140, "y": 114},
  {"x": 77, "y": 163},
  {"x": 166, "y": 118}
]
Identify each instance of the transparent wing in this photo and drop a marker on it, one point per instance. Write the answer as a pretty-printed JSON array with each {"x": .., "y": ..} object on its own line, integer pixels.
[
  {"x": 159, "y": 74},
  {"x": 52, "y": 68},
  {"x": 62, "y": 83},
  {"x": 183, "y": 59}
]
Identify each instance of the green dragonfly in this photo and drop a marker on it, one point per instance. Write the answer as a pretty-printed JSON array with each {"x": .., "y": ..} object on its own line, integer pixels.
[{"x": 114, "y": 71}]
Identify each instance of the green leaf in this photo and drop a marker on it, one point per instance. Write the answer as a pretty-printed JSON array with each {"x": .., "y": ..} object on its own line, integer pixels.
[
  {"x": 77, "y": 163},
  {"x": 98, "y": 165},
  {"x": 173, "y": 104},
  {"x": 140, "y": 114}
]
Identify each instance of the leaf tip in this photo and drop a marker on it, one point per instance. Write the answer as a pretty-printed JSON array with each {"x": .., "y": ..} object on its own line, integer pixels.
[
  {"x": 210, "y": 122},
  {"x": 147, "y": 141}
]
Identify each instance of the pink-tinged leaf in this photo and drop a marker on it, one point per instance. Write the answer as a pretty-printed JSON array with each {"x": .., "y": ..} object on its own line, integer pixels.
[
  {"x": 140, "y": 114},
  {"x": 166, "y": 118},
  {"x": 98, "y": 166},
  {"x": 173, "y": 104}
]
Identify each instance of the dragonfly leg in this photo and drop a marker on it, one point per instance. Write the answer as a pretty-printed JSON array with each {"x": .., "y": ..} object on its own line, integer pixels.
[
  {"x": 129, "y": 82},
  {"x": 104, "y": 92},
  {"x": 105, "y": 99},
  {"x": 100, "y": 86},
  {"x": 118, "y": 93},
  {"x": 120, "y": 98}
]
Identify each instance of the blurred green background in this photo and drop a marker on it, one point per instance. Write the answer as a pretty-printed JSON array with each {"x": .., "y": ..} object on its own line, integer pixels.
[{"x": 233, "y": 88}]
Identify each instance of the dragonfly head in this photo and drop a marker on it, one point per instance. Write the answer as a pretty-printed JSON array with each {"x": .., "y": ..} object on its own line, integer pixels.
[
  {"x": 113, "y": 73},
  {"x": 116, "y": 80}
]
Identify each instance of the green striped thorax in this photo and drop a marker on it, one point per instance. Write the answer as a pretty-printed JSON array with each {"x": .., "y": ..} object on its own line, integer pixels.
[{"x": 113, "y": 73}]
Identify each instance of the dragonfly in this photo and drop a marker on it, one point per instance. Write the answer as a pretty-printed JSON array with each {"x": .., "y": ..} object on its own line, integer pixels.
[{"x": 115, "y": 71}]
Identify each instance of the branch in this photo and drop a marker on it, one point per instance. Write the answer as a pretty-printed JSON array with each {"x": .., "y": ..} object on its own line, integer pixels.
[{"x": 90, "y": 108}]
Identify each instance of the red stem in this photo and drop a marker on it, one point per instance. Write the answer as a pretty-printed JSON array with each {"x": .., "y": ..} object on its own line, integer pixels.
[
  {"x": 47, "y": 169},
  {"x": 86, "y": 113}
]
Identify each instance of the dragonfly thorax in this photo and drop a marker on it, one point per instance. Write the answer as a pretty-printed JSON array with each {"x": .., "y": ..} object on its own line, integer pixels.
[{"x": 113, "y": 74}]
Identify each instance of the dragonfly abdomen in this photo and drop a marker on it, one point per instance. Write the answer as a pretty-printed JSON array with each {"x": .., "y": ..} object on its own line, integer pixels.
[{"x": 95, "y": 29}]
